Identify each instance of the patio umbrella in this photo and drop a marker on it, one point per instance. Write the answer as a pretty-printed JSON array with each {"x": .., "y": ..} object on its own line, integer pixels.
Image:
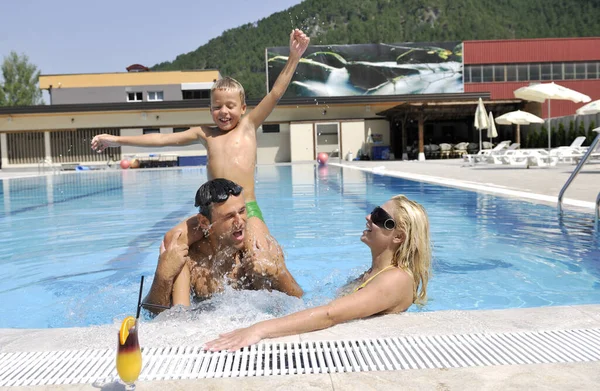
[
  {"x": 548, "y": 91},
  {"x": 590, "y": 108},
  {"x": 492, "y": 133},
  {"x": 518, "y": 118},
  {"x": 481, "y": 120}
]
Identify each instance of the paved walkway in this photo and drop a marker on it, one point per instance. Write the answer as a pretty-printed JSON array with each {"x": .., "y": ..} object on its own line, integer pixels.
[{"x": 512, "y": 181}]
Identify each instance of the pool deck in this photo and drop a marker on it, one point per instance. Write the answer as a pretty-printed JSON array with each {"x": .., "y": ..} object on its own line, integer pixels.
[{"x": 535, "y": 184}]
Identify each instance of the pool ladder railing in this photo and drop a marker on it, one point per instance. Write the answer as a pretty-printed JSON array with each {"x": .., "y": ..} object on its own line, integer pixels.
[
  {"x": 582, "y": 161},
  {"x": 46, "y": 164}
]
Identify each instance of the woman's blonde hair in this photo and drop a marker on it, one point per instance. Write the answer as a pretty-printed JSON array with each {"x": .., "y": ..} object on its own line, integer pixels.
[
  {"x": 414, "y": 254},
  {"x": 230, "y": 84}
]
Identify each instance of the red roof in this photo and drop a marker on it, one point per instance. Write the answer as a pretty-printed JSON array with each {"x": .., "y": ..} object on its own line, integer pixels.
[{"x": 137, "y": 68}]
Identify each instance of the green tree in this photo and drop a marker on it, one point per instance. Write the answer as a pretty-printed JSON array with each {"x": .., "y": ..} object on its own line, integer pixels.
[
  {"x": 581, "y": 129},
  {"x": 571, "y": 135},
  {"x": 561, "y": 136},
  {"x": 240, "y": 52},
  {"x": 531, "y": 138},
  {"x": 20, "y": 82}
]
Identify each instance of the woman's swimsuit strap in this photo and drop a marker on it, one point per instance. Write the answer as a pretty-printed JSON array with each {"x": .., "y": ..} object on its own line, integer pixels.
[{"x": 372, "y": 277}]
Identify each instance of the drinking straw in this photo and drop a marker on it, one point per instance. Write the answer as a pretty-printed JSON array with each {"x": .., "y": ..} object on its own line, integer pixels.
[{"x": 139, "y": 305}]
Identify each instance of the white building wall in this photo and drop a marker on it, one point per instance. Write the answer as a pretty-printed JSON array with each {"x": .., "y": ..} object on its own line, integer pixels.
[
  {"x": 353, "y": 137},
  {"x": 302, "y": 142},
  {"x": 273, "y": 147}
]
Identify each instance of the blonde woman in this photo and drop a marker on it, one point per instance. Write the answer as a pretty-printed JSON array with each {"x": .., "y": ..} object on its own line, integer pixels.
[{"x": 398, "y": 235}]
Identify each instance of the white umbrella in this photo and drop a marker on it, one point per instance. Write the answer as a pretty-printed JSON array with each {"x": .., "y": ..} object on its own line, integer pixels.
[
  {"x": 481, "y": 120},
  {"x": 590, "y": 108},
  {"x": 492, "y": 133},
  {"x": 518, "y": 118},
  {"x": 548, "y": 91}
]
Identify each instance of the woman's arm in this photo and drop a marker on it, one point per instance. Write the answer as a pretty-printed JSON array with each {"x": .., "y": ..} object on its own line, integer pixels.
[{"x": 383, "y": 293}]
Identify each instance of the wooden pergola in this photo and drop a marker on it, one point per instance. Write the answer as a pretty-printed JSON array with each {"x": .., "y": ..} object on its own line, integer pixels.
[{"x": 457, "y": 108}]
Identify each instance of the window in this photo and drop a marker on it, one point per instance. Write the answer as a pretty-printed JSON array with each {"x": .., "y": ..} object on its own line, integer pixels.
[
  {"x": 467, "y": 74},
  {"x": 498, "y": 72},
  {"x": 179, "y": 130},
  {"x": 488, "y": 73},
  {"x": 196, "y": 94},
  {"x": 580, "y": 71},
  {"x": 134, "y": 97},
  {"x": 522, "y": 72},
  {"x": 546, "y": 71},
  {"x": 569, "y": 71},
  {"x": 557, "y": 71},
  {"x": 531, "y": 72},
  {"x": 151, "y": 130},
  {"x": 155, "y": 96},
  {"x": 534, "y": 72},
  {"x": 476, "y": 74},
  {"x": 511, "y": 73},
  {"x": 270, "y": 128},
  {"x": 591, "y": 70}
]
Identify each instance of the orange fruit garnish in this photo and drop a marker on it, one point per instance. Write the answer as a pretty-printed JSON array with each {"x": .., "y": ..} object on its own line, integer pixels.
[{"x": 128, "y": 323}]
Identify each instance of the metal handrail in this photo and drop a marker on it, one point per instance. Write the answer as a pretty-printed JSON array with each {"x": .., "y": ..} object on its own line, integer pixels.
[
  {"x": 42, "y": 164},
  {"x": 583, "y": 160},
  {"x": 597, "y": 219}
]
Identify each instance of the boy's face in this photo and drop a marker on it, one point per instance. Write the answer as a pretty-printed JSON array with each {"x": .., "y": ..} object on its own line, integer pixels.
[{"x": 226, "y": 109}]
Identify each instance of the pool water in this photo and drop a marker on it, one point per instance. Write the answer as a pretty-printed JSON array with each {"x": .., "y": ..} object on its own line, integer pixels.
[{"x": 73, "y": 246}]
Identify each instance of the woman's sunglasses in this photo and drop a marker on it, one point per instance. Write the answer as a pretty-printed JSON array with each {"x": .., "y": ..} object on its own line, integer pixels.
[{"x": 382, "y": 219}]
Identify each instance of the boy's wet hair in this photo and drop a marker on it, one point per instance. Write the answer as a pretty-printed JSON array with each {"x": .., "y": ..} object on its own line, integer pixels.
[
  {"x": 215, "y": 191},
  {"x": 230, "y": 84}
]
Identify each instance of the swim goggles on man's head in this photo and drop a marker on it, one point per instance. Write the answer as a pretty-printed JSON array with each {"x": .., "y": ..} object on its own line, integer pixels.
[{"x": 382, "y": 219}]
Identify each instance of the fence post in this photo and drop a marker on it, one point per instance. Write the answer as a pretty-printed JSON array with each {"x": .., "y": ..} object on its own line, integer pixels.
[
  {"x": 4, "y": 150},
  {"x": 47, "y": 146}
]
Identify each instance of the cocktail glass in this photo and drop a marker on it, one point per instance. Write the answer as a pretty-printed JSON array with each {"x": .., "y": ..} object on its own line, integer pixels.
[{"x": 129, "y": 355}]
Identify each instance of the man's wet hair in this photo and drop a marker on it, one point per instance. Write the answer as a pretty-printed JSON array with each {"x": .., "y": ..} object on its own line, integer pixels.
[{"x": 215, "y": 191}]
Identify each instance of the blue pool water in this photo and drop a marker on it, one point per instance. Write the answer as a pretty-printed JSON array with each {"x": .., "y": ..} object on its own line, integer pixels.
[{"x": 73, "y": 246}]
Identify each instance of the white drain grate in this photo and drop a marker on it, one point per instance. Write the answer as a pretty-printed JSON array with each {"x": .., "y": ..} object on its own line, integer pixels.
[{"x": 415, "y": 352}]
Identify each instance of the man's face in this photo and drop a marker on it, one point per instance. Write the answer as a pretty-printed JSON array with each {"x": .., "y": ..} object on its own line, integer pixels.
[
  {"x": 226, "y": 108},
  {"x": 228, "y": 222}
]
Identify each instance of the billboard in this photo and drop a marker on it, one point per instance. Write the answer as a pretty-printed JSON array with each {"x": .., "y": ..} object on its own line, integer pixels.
[{"x": 372, "y": 69}]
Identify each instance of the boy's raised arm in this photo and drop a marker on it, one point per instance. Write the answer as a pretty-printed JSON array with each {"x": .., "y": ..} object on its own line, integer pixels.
[
  {"x": 103, "y": 141},
  {"x": 298, "y": 44}
]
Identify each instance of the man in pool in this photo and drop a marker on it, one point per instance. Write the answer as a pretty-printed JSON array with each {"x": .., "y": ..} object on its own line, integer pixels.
[
  {"x": 231, "y": 147},
  {"x": 218, "y": 258}
]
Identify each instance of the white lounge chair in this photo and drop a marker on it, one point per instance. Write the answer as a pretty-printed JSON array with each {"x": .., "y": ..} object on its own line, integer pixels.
[
  {"x": 567, "y": 153},
  {"x": 541, "y": 158},
  {"x": 501, "y": 156},
  {"x": 594, "y": 155},
  {"x": 484, "y": 153}
]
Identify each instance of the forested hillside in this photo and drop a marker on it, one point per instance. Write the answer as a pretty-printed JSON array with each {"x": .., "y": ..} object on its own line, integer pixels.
[{"x": 240, "y": 52}]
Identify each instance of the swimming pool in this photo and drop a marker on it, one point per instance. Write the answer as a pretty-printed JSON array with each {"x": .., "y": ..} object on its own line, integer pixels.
[{"x": 73, "y": 246}]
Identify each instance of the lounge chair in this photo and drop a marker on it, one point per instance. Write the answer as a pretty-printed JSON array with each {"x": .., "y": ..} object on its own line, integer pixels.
[
  {"x": 541, "y": 158},
  {"x": 501, "y": 156},
  {"x": 567, "y": 153},
  {"x": 530, "y": 158},
  {"x": 484, "y": 153},
  {"x": 594, "y": 155}
]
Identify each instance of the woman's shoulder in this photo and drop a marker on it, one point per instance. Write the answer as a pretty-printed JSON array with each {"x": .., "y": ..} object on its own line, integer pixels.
[{"x": 396, "y": 277}]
